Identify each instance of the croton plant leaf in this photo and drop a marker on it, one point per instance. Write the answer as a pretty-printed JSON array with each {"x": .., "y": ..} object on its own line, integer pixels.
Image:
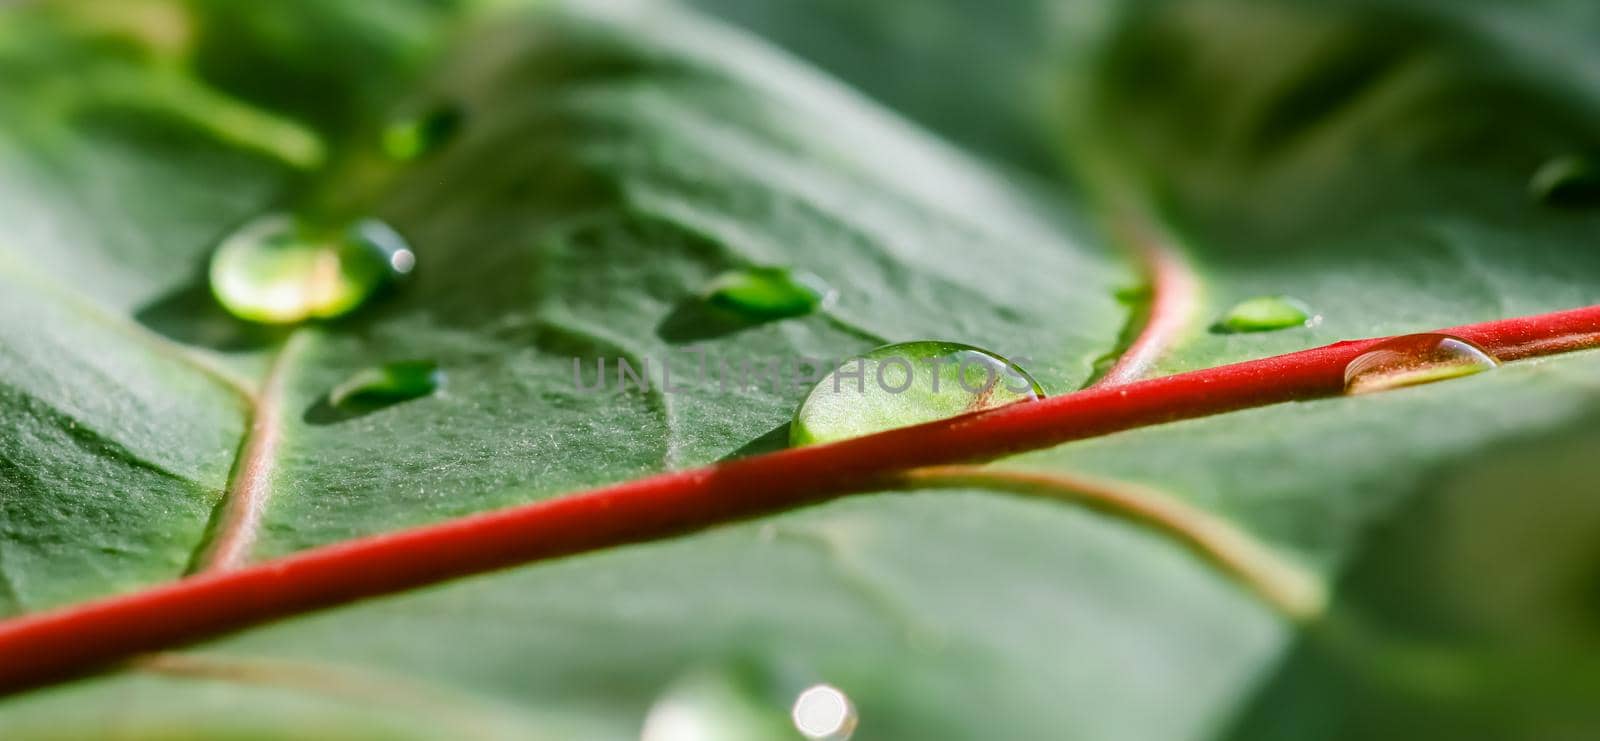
[{"x": 571, "y": 176}]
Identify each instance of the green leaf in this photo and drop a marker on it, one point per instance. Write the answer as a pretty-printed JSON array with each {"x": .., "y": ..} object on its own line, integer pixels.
[{"x": 609, "y": 161}]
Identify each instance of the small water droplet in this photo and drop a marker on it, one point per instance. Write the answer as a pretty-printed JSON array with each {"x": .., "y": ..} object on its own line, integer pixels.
[
  {"x": 390, "y": 382},
  {"x": 716, "y": 704},
  {"x": 825, "y": 713},
  {"x": 769, "y": 292},
  {"x": 419, "y": 136},
  {"x": 1264, "y": 314},
  {"x": 1414, "y": 359},
  {"x": 906, "y": 384},
  {"x": 1567, "y": 181},
  {"x": 1132, "y": 294},
  {"x": 278, "y": 269}
]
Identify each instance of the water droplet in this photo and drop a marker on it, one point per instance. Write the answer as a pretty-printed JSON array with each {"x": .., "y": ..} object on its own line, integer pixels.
[
  {"x": 906, "y": 384},
  {"x": 1414, "y": 359},
  {"x": 1264, "y": 314},
  {"x": 824, "y": 712},
  {"x": 389, "y": 383},
  {"x": 1568, "y": 181},
  {"x": 715, "y": 704},
  {"x": 278, "y": 269},
  {"x": 422, "y": 135},
  {"x": 1132, "y": 294},
  {"x": 769, "y": 292}
]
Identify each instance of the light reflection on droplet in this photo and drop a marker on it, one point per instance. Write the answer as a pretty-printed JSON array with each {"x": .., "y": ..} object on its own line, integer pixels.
[
  {"x": 403, "y": 261},
  {"x": 824, "y": 712}
]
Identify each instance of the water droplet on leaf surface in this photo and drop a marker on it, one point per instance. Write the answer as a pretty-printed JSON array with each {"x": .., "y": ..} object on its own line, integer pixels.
[
  {"x": 416, "y": 137},
  {"x": 825, "y": 713},
  {"x": 711, "y": 704},
  {"x": 768, "y": 292},
  {"x": 906, "y": 384},
  {"x": 1414, "y": 359},
  {"x": 1569, "y": 181},
  {"x": 1264, "y": 314},
  {"x": 278, "y": 269},
  {"x": 389, "y": 383}
]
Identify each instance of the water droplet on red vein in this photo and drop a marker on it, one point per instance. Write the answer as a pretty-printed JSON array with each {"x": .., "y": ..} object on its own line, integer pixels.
[
  {"x": 906, "y": 384},
  {"x": 1414, "y": 359}
]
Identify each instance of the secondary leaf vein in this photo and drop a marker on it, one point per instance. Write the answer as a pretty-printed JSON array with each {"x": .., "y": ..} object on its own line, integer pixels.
[{"x": 245, "y": 501}]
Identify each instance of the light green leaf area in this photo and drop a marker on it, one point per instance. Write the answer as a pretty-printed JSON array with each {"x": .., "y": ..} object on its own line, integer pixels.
[{"x": 951, "y": 170}]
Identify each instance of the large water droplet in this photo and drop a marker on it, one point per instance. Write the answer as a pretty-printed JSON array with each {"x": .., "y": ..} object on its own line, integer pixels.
[
  {"x": 415, "y": 137},
  {"x": 388, "y": 383},
  {"x": 1414, "y": 359},
  {"x": 906, "y": 384},
  {"x": 768, "y": 292},
  {"x": 278, "y": 269},
  {"x": 1569, "y": 181},
  {"x": 1264, "y": 314},
  {"x": 824, "y": 712}
]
